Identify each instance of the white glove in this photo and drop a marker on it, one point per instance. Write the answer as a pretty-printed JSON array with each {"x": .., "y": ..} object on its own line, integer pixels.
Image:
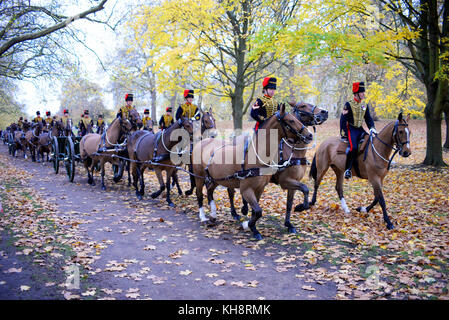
[{"x": 373, "y": 130}]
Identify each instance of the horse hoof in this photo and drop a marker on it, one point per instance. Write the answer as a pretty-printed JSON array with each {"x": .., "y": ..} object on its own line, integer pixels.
[
  {"x": 257, "y": 236},
  {"x": 171, "y": 204},
  {"x": 299, "y": 208},
  {"x": 291, "y": 230},
  {"x": 139, "y": 197},
  {"x": 154, "y": 195},
  {"x": 103, "y": 188},
  {"x": 245, "y": 211},
  {"x": 390, "y": 226},
  {"x": 189, "y": 192}
]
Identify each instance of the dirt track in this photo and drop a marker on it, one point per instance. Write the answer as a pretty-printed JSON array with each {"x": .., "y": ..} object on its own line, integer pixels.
[{"x": 150, "y": 251}]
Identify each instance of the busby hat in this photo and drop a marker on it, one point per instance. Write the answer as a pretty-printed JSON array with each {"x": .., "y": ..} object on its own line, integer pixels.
[
  {"x": 100, "y": 116},
  {"x": 146, "y": 111},
  {"x": 169, "y": 109},
  {"x": 269, "y": 83},
  {"x": 38, "y": 113},
  {"x": 129, "y": 97},
  {"x": 48, "y": 113},
  {"x": 21, "y": 118},
  {"x": 86, "y": 111},
  {"x": 65, "y": 111},
  {"x": 188, "y": 93},
  {"x": 358, "y": 87}
]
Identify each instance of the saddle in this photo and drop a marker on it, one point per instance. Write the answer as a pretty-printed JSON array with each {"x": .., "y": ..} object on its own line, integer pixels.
[{"x": 343, "y": 146}]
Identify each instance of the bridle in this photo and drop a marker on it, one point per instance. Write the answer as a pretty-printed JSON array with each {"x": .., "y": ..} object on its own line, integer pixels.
[{"x": 286, "y": 127}]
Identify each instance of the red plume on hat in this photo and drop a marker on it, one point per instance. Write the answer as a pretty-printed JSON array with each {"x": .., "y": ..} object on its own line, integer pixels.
[
  {"x": 269, "y": 83},
  {"x": 66, "y": 111},
  {"x": 188, "y": 93},
  {"x": 146, "y": 111},
  {"x": 48, "y": 113},
  {"x": 358, "y": 87},
  {"x": 129, "y": 97},
  {"x": 168, "y": 109}
]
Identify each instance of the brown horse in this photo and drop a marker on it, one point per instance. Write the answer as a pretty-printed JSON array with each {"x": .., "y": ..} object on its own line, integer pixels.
[
  {"x": 208, "y": 130},
  {"x": 45, "y": 139},
  {"x": 146, "y": 146},
  {"x": 96, "y": 148},
  {"x": 32, "y": 138},
  {"x": 372, "y": 164},
  {"x": 289, "y": 177},
  {"x": 243, "y": 163},
  {"x": 19, "y": 139}
]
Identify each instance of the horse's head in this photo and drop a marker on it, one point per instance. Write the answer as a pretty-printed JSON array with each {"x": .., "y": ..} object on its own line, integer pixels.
[
  {"x": 26, "y": 126},
  {"x": 309, "y": 114},
  {"x": 125, "y": 125},
  {"x": 401, "y": 135},
  {"x": 135, "y": 119},
  {"x": 208, "y": 122},
  {"x": 187, "y": 124},
  {"x": 291, "y": 127}
]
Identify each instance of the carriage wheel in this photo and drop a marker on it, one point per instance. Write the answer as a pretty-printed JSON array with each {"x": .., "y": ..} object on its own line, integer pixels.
[
  {"x": 70, "y": 159},
  {"x": 55, "y": 153}
]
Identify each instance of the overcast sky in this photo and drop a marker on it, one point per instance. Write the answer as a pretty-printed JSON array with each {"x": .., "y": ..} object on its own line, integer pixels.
[{"x": 43, "y": 94}]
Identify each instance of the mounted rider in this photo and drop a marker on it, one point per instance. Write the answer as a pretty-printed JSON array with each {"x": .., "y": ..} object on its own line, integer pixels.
[
  {"x": 65, "y": 118},
  {"x": 147, "y": 121},
  {"x": 100, "y": 124},
  {"x": 85, "y": 122},
  {"x": 265, "y": 105},
  {"x": 124, "y": 111},
  {"x": 48, "y": 120},
  {"x": 166, "y": 119},
  {"x": 38, "y": 118},
  {"x": 20, "y": 123},
  {"x": 352, "y": 116},
  {"x": 187, "y": 109}
]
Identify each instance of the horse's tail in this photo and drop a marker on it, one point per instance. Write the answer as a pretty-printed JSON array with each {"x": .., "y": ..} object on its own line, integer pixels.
[{"x": 313, "y": 170}]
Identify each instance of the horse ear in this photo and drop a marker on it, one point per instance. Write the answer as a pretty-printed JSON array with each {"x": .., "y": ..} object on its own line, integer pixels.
[
  {"x": 400, "y": 116},
  {"x": 210, "y": 110},
  {"x": 292, "y": 104},
  {"x": 408, "y": 118},
  {"x": 282, "y": 108}
]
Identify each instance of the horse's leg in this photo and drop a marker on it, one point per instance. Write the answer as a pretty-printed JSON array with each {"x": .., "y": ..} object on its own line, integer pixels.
[
  {"x": 136, "y": 176},
  {"x": 377, "y": 187},
  {"x": 199, "y": 197},
  {"x": 317, "y": 173},
  {"x": 128, "y": 168},
  {"x": 102, "y": 165},
  {"x": 339, "y": 188},
  {"x": 231, "y": 193},
  {"x": 170, "y": 172},
  {"x": 192, "y": 182},
  {"x": 176, "y": 181},
  {"x": 94, "y": 164},
  {"x": 367, "y": 209},
  {"x": 142, "y": 181},
  {"x": 250, "y": 196},
  {"x": 87, "y": 162},
  {"x": 210, "y": 199},
  {"x": 245, "y": 207},
  {"x": 160, "y": 178}
]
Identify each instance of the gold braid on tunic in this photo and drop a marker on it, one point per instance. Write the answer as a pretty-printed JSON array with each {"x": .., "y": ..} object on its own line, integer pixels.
[{"x": 358, "y": 113}]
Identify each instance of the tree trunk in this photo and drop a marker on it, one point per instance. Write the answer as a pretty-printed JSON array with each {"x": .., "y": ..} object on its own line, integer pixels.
[
  {"x": 434, "y": 149},
  {"x": 446, "y": 144},
  {"x": 153, "y": 97},
  {"x": 237, "y": 109}
]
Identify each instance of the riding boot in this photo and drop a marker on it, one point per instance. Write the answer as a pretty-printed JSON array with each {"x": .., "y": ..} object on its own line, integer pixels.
[{"x": 348, "y": 166}]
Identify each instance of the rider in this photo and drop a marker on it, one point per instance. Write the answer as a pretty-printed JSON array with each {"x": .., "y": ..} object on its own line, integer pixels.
[
  {"x": 100, "y": 123},
  {"x": 85, "y": 122},
  {"x": 167, "y": 119},
  {"x": 351, "y": 121},
  {"x": 146, "y": 121},
  {"x": 38, "y": 118},
  {"x": 65, "y": 118},
  {"x": 265, "y": 105},
  {"x": 20, "y": 123},
  {"x": 124, "y": 111},
  {"x": 48, "y": 119},
  {"x": 187, "y": 109}
]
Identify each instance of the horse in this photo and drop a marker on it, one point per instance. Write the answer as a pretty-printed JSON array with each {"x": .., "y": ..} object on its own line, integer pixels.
[
  {"x": 251, "y": 177},
  {"x": 45, "y": 139},
  {"x": 371, "y": 164},
  {"x": 208, "y": 130},
  {"x": 32, "y": 138},
  {"x": 19, "y": 139},
  {"x": 94, "y": 147},
  {"x": 289, "y": 176},
  {"x": 146, "y": 146}
]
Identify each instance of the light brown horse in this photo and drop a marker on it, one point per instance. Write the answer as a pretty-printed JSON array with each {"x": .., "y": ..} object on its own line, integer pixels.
[
  {"x": 96, "y": 148},
  {"x": 19, "y": 139},
  {"x": 244, "y": 164},
  {"x": 147, "y": 146},
  {"x": 289, "y": 177},
  {"x": 373, "y": 164},
  {"x": 32, "y": 138}
]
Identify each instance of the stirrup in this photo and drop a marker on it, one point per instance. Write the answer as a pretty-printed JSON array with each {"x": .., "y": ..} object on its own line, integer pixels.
[{"x": 348, "y": 174}]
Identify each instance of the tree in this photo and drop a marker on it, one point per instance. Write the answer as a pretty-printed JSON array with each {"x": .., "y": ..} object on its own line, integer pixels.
[
  {"x": 208, "y": 45},
  {"x": 10, "y": 110},
  {"x": 79, "y": 94},
  {"x": 28, "y": 33}
]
